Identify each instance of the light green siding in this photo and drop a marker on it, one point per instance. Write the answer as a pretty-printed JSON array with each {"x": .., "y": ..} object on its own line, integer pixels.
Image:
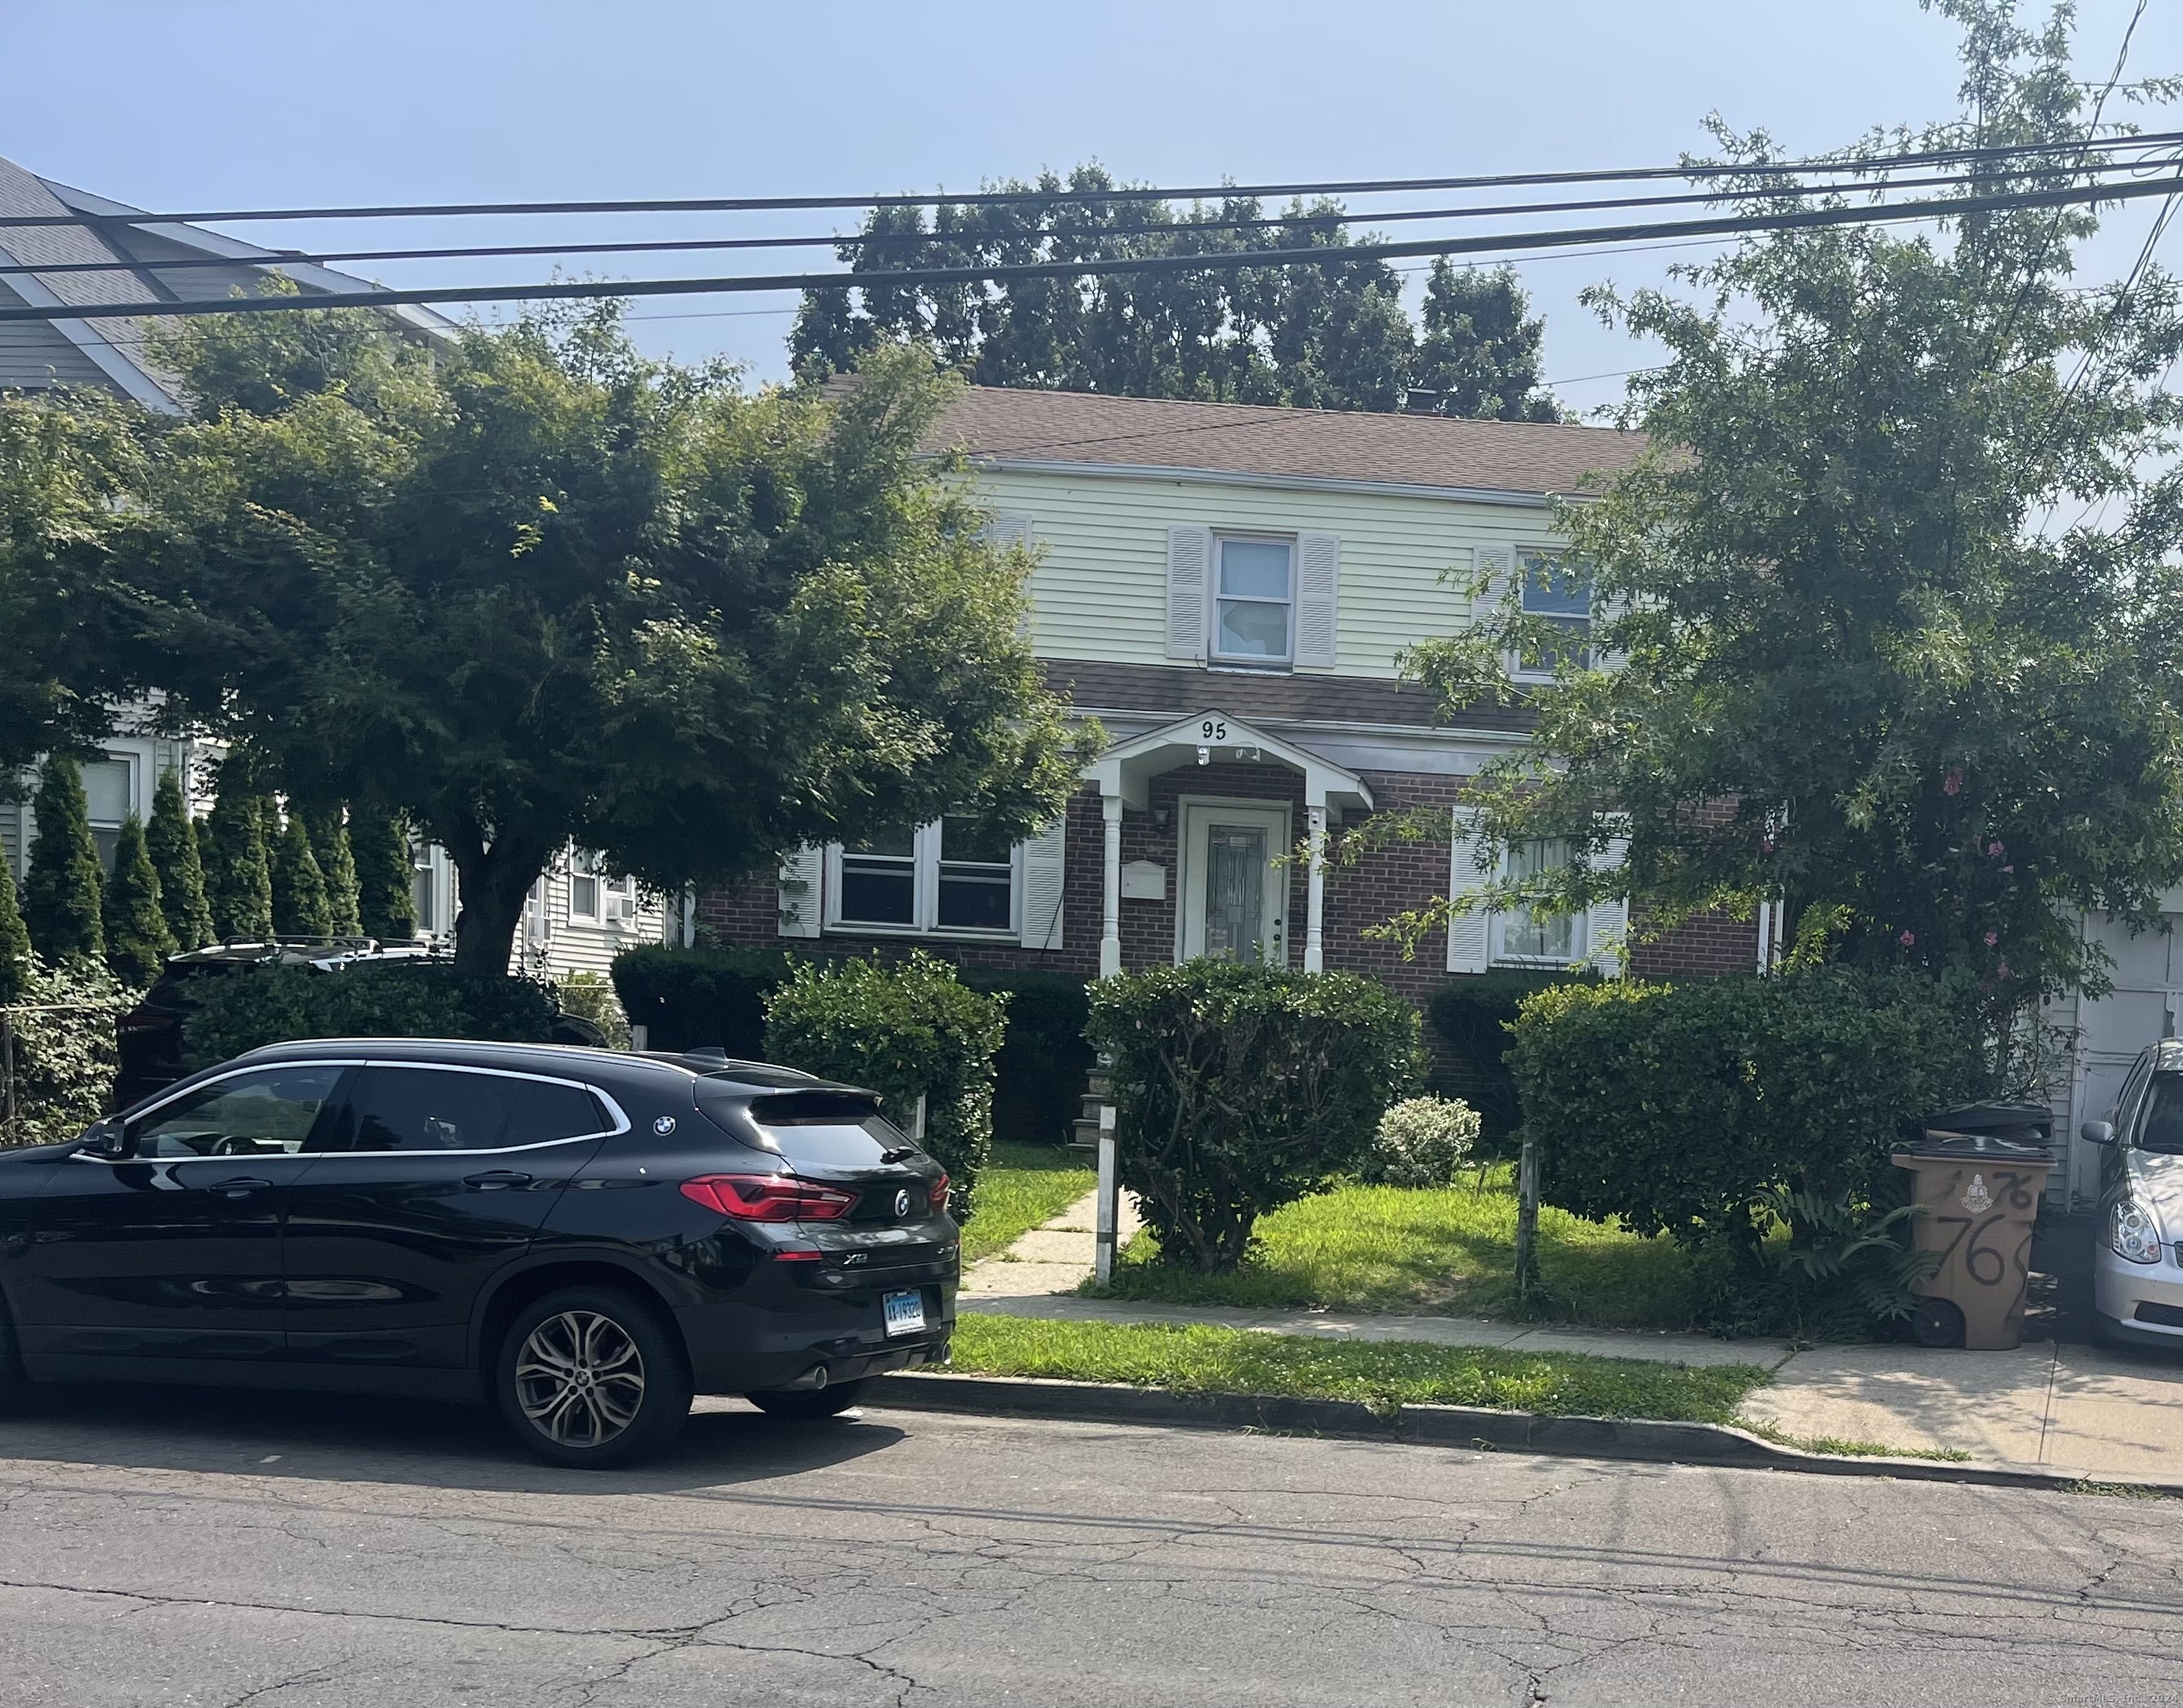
[{"x": 1099, "y": 591}]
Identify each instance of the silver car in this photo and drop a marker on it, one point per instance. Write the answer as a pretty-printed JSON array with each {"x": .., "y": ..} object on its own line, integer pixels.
[{"x": 2137, "y": 1268}]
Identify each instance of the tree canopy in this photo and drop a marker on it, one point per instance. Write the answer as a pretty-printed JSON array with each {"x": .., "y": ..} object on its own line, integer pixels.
[
  {"x": 537, "y": 588},
  {"x": 1888, "y": 625},
  {"x": 1332, "y": 336}
]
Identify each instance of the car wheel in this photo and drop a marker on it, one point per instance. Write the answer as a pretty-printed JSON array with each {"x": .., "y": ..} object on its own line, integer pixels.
[
  {"x": 591, "y": 1377},
  {"x": 809, "y": 1402}
]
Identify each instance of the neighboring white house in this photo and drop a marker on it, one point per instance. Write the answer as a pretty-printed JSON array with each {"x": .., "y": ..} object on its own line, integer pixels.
[{"x": 579, "y": 919}]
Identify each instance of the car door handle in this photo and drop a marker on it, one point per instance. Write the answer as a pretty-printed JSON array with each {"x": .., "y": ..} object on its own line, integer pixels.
[
  {"x": 240, "y": 1186},
  {"x": 495, "y": 1180}
]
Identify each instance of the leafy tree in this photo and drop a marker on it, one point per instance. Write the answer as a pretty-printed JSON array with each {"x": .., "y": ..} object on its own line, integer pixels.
[
  {"x": 14, "y": 938},
  {"x": 1892, "y": 601},
  {"x": 137, "y": 940},
  {"x": 238, "y": 881},
  {"x": 385, "y": 904},
  {"x": 1479, "y": 351},
  {"x": 171, "y": 839},
  {"x": 1334, "y": 335},
  {"x": 329, "y": 834},
  {"x": 68, "y": 607},
  {"x": 299, "y": 888},
  {"x": 541, "y": 589},
  {"x": 61, "y": 891}
]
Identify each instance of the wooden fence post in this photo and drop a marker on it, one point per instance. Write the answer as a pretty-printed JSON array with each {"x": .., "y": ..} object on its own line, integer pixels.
[{"x": 1527, "y": 1221}]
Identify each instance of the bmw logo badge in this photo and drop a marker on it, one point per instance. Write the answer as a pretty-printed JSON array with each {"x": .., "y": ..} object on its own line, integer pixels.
[
  {"x": 663, "y": 1126},
  {"x": 902, "y": 1202}
]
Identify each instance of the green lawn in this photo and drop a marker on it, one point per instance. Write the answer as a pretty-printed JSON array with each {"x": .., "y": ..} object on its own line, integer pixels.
[
  {"x": 1382, "y": 1374},
  {"x": 1023, "y": 1186},
  {"x": 1443, "y": 1250}
]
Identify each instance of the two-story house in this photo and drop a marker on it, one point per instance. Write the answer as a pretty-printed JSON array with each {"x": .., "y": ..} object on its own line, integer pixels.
[
  {"x": 579, "y": 917},
  {"x": 1226, "y": 588}
]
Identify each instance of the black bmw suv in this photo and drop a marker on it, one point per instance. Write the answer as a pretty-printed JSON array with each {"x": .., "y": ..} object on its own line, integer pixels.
[{"x": 582, "y": 1238}]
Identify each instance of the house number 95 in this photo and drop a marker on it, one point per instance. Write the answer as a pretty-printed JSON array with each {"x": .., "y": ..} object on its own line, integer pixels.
[{"x": 1212, "y": 730}]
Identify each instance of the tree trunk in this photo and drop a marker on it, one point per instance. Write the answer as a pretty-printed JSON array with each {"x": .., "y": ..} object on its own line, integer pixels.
[{"x": 496, "y": 881}]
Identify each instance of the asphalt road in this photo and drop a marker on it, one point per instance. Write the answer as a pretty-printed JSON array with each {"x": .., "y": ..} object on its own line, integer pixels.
[{"x": 164, "y": 1548}]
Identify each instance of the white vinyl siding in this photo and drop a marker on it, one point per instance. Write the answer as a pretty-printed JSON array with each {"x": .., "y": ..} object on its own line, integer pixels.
[{"x": 1104, "y": 588}]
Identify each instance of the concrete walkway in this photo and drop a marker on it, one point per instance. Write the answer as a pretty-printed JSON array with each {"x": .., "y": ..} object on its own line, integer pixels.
[{"x": 2112, "y": 1415}]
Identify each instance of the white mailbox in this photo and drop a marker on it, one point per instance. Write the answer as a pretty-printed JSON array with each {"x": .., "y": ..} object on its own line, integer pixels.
[{"x": 1144, "y": 880}]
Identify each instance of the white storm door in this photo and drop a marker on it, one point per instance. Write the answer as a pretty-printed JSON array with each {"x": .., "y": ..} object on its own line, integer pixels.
[{"x": 1235, "y": 898}]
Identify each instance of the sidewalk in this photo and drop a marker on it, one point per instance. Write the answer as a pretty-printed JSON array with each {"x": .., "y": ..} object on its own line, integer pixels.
[{"x": 2115, "y": 1417}]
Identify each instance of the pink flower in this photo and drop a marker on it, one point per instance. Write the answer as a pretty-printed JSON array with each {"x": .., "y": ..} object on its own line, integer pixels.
[
  {"x": 1991, "y": 938},
  {"x": 1907, "y": 938},
  {"x": 1994, "y": 848},
  {"x": 1766, "y": 843},
  {"x": 1953, "y": 782},
  {"x": 2002, "y": 968}
]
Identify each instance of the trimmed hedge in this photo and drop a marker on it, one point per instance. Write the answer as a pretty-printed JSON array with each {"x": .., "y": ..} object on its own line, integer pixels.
[
  {"x": 1689, "y": 1108},
  {"x": 700, "y": 998},
  {"x": 1039, "y": 1075},
  {"x": 904, "y": 1030},
  {"x": 1473, "y": 1014},
  {"x": 66, "y": 1050},
  {"x": 1238, "y": 1089},
  {"x": 272, "y": 1004}
]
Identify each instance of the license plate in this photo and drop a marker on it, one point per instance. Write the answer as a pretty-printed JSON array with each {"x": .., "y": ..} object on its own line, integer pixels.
[{"x": 905, "y": 1312}]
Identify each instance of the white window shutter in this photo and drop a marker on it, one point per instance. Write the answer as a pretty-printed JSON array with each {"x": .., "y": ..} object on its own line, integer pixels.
[
  {"x": 1469, "y": 947},
  {"x": 1188, "y": 566},
  {"x": 802, "y": 892},
  {"x": 1043, "y": 903},
  {"x": 1008, "y": 529},
  {"x": 1319, "y": 581},
  {"x": 1497, "y": 565},
  {"x": 1607, "y": 923}
]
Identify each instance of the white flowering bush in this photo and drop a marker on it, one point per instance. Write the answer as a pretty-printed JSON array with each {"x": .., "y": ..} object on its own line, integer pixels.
[{"x": 1421, "y": 1142}]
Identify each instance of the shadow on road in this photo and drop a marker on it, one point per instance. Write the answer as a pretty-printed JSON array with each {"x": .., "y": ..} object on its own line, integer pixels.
[{"x": 349, "y": 1438}]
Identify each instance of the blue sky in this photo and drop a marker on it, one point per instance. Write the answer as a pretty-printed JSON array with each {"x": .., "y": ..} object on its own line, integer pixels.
[{"x": 194, "y": 103}]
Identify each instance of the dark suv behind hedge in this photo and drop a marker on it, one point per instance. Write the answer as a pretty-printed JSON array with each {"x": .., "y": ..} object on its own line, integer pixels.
[{"x": 582, "y": 1238}]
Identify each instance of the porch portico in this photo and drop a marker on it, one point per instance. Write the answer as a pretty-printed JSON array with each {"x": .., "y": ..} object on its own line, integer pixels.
[{"x": 1224, "y": 870}]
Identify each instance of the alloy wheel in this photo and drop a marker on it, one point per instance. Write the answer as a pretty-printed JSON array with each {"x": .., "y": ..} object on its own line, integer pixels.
[{"x": 580, "y": 1379}]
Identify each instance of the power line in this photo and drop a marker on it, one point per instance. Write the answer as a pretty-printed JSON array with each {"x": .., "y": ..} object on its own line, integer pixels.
[
  {"x": 911, "y": 240},
  {"x": 570, "y": 289},
  {"x": 1688, "y": 170}
]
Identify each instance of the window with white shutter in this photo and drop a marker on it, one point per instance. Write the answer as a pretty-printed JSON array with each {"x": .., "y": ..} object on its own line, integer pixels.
[
  {"x": 1189, "y": 563},
  {"x": 1467, "y": 933},
  {"x": 801, "y": 892},
  {"x": 1319, "y": 581},
  {"x": 1042, "y": 893}
]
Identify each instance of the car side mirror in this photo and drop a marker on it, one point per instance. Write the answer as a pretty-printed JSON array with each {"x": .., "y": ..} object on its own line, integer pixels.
[
  {"x": 102, "y": 1138},
  {"x": 2096, "y": 1133}
]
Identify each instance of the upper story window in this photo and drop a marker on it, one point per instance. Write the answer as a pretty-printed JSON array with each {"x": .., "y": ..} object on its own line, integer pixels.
[
  {"x": 1254, "y": 599},
  {"x": 109, "y": 792},
  {"x": 1524, "y": 935},
  {"x": 1557, "y": 590},
  {"x": 952, "y": 876}
]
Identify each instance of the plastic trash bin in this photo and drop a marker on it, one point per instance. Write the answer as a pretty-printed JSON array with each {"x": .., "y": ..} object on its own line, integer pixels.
[{"x": 1977, "y": 1173}]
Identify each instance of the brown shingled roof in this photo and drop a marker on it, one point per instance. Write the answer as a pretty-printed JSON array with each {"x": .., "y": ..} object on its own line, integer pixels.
[{"x": 991, "y": 421}]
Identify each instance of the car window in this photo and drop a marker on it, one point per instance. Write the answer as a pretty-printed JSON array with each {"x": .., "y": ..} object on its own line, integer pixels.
[
  {"x": 827, "y": 1129},
  {"x": 424, "y": 1109},
  {"x": 540, "y": 1112},
  {"x": 269, "y": 1113},
  {"x": 2161, "y": 1127}
]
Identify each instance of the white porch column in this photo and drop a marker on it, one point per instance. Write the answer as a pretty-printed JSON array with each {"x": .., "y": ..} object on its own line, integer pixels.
[
  {"x": 1314, "y": 949},
  {"x": 1110, "y": 901}
]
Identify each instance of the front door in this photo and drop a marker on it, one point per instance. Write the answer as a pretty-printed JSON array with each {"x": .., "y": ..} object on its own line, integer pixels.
[
  {"x": 1234, "y": 896},
  {"x": 432, "y": 1179},
  {"x": 172, "y": 1251}
]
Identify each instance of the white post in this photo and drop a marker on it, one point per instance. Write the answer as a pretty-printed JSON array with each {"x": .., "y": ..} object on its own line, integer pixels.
[
  {"x": 1109, "y": 1217},
  {"x": 1314, "y": 947},
  {"x": 1110, "y": 916}
]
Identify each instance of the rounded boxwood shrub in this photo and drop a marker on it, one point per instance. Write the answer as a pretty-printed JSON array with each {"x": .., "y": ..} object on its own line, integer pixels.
[
  {"x": 906, "y": 1029},
  {"x": 1421, "y": 1142},
  {"x": 1238, "y": 1089}
]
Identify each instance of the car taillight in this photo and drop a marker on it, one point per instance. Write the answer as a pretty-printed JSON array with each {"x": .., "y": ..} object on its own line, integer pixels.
[
  {"x": 939, "y": 1199},
  {"x": 769, "y": 1198}
]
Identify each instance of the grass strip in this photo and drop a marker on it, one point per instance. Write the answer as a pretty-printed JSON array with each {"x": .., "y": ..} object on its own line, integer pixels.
[
  {"x": 1840, "y": 1447},
  {"x": 1382, "y": 1374},
  {"x": 1023, "y": 1187}
]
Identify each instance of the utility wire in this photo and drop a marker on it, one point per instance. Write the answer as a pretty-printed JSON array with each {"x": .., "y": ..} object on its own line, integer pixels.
[
  {"x": 1688, "y": 170},
  {"x": 912, "y": 240},
  {"x": 1321, "y": 255}
]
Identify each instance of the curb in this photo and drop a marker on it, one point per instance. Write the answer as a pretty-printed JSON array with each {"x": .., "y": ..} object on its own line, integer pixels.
[{"x": 1477, "y": 1428}]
